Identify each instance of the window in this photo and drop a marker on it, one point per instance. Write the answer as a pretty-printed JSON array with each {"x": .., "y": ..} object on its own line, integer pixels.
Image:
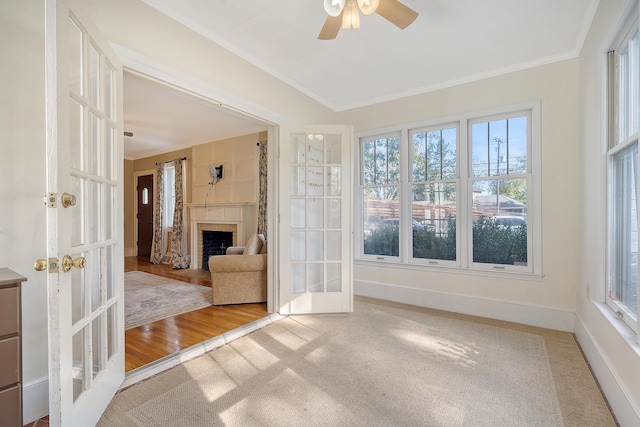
[
  {"x": 145, "y": 196},
  {"x": 433, "y": 197},
  {"x": 381, "y": 195},
  {"x": 168, "y": 181},
  {"x": 434, "y": 174},
  {"x": 499, "y": 185},
  {"x": 624, "y": 96}
]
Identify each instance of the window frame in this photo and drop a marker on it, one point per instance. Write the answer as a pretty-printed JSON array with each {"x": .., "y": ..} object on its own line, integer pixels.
[
  {"x": 527, "y": 176},
  {"x": 432, "y": 262},
  {"x": 463, "y": 263},
  {"x": 361, "y": 186},
  {"x": 620, "y": 139}
]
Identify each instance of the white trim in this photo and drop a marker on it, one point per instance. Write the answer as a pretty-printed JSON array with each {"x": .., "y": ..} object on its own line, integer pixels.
[
  {"x": 142, "y": 65},
  {"x": 391, "y": 262},
  {"x": 623, "y": 407},
  {"x": 543, "y": 317},
  {"x": 194, "y": 351},
  {"x": 35, "y": 400}
]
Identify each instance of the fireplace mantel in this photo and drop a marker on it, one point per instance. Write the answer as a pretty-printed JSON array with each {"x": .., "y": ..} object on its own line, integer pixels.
[{"x": 242, "y": 215}]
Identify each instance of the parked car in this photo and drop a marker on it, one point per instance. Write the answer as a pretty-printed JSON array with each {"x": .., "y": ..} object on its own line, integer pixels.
[
  {"x": 395, "y": 222},
  {"x": 510, "y": 221}
]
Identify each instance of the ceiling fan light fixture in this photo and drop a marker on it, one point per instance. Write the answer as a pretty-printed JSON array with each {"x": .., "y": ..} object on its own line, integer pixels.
[
  {"x": 351, "y": 16},
  {"x": 334, "y": 7},
  {"x": 368, "y": 6}
]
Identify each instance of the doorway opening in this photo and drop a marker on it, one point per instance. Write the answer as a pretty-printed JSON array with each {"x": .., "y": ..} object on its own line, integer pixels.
[{"x": 155, "y": 343}]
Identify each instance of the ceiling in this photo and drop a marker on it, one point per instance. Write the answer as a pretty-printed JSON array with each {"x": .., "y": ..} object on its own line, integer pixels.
[
  {"x": 164, "y": 119},
  {"x": 451, "y": 42}
]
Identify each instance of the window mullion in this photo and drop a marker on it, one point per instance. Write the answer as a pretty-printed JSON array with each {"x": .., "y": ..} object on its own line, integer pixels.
[
  {"x": 405, "y": 196},
  {"x": 464, "y": 186},
  {"x": 508, "y": 147}
]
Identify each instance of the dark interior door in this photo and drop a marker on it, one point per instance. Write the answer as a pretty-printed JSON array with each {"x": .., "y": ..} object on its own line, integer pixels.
[{"x": 145, "y": 215}]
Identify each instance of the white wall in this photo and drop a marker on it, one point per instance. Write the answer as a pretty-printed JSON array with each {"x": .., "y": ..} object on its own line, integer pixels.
[
  {"x": 549, "y": 302},
  {"x": 22, "y": 182},
  {"x": 609, "y": 345}
]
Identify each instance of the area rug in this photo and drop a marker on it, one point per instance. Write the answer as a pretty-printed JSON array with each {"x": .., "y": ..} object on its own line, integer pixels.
[
  {"x": 385, "y": 364},
  {"x": 148, "y": 298}
]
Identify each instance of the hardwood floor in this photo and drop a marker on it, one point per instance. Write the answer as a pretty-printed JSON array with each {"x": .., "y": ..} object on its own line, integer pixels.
[{"x": 147, "y": 343}]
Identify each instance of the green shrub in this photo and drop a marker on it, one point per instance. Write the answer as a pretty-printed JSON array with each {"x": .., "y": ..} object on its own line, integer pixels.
[
  {"x": 383, "y": 241},
  {"x": 492, "y": 243},
  {"x": 426, "y": 244},
  {"x": 498, "y": 244}
]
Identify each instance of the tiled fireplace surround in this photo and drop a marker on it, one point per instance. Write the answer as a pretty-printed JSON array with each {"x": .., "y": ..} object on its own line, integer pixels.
[{"x": 239, "y": 218}]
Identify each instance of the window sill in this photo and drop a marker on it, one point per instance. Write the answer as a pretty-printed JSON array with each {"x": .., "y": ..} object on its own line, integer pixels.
[
  {"x": 531, "y": 277},
  {"x": 625, "y": 332}
]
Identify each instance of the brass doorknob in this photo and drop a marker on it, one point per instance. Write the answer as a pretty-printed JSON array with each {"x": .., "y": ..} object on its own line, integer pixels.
[
  {"x": 68, "y": 200},
  {"x": 68, "y": 262},
  {"x": 40, "y": 264}
]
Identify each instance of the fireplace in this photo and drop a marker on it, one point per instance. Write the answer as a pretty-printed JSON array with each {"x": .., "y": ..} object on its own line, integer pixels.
[
  {"x": 237, "y": 219},
  {"x": 211, "y": 240},
  {"x": 214, "y": 243}
]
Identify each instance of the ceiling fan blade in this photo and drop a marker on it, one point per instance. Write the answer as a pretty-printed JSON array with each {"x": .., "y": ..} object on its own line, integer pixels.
[
  {"x": 331, "y": 27},
  {"x": 396, "y": 13}
]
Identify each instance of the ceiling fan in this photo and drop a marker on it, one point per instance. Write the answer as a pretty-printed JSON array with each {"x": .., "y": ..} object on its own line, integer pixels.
[{"x": 346, "y": 14}]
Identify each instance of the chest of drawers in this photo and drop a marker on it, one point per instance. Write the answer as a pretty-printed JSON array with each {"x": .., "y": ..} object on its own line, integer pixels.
[{"x": 10, "y": 349}]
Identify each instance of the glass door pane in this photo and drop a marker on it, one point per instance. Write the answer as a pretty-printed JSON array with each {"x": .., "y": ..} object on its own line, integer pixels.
[{"x": 316, "y": 199}]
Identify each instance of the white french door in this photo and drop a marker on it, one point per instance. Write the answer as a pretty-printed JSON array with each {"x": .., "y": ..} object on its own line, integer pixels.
[
  {"x": 84, "y": 220},
  {"x": 315, "y": 239}
]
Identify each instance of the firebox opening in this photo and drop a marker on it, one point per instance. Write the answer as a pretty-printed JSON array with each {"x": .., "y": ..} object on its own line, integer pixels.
[{"x": 214, "y": 243}]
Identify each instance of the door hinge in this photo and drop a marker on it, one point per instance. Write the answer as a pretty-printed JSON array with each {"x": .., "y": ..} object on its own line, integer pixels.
[{"x": 50, "y": 200}]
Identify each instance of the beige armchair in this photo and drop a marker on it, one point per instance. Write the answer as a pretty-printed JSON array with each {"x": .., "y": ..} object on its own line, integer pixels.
[{"x": 240, "y": 276}]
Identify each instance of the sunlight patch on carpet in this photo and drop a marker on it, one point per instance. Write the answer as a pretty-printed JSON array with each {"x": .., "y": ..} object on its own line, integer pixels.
[{"x": 378, "y": 366}]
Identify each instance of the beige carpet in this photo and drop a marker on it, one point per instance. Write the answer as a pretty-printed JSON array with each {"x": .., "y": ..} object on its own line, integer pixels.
[
  {"x": 385, "y": 364},
  {"x": 148, "y": 298}
]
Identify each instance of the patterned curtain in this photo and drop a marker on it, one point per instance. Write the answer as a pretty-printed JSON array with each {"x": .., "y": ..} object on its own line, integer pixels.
[
  {"x": 157, "y": 247},
  {"x": 179, "y": 258},
  {"x": 262, "y": 197}
]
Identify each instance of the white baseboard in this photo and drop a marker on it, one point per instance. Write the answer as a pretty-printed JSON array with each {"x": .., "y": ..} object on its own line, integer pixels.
[
  {"x": 129, "y": 251},
  {"x": 625, "y": 411},
  {"x": 35, "y": 400},
  {"x": 543, "y": 317}
]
